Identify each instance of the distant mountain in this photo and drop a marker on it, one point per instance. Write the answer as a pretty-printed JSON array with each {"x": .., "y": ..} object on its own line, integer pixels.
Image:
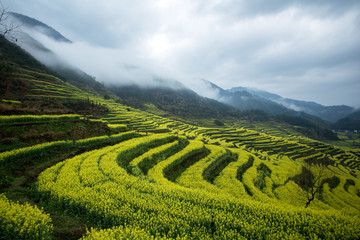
[
  {"x": 327, "y": 113},
  {"x": 351, "y": 122},
  {"x": 259, "y": 93},
  {"x": 181, "y": 102},
  {"x": 355, "y": 115},
  {"x": 32, "y": 23},
  {"x": 244, "y": 99},
  {"x": 308, "y": 127}
]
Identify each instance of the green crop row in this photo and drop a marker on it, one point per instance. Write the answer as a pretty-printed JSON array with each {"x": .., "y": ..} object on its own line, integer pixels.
[
  {"x": 36, "y": 118},
  {"x": 17, "y": 155},
  {"x": 95, "y": 187},
  {"x": 23, "y": 221}
]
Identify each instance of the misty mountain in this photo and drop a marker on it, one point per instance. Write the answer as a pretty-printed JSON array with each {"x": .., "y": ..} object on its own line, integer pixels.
[
  {"x": 328, "y": 113},
  {"x": 32, "y": 23},
  {"x": 47, "y": 57},
  {"x": 355, "y": 115},
  {"x": 351, "y": 122},
  {"x": 244, "y": 99},
  {"x": 181, "y": 102},
  {"x": 14, "y": 61},
  {"x": 259, "y": 93}
]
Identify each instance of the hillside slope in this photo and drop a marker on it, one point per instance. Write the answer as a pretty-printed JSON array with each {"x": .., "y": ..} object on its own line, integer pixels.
[
  {"x": 186, "y": 104},
  {"x": 28, "y": 42},
  {"x": 327, "y": 113},
  {"x": 152, "y": 177},
  {"x": 350, "y": 123},
  {"x": 26, "y": 80},
  {"x": 28, "y": 22},
  {"x": 192, "y": 182},
  {"x": 183, "y": 102}
]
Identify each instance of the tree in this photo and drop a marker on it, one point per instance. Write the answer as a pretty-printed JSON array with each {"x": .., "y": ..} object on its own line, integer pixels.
[
  {"x": 315, "y": 182},
  {"x": 218, "y": 122},
  {"x": 6, "y": 27},
  {"x": 311, "y": 180}
]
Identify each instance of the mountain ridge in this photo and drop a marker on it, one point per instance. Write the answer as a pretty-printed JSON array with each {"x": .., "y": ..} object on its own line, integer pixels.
[
  {"x": 34, "y": 23},
  {"x": 48, "y": 58},
  {"x": 348, "y": 123},
  {"x": 244, "y": 98},
  {"x": 328, "y": 113}
]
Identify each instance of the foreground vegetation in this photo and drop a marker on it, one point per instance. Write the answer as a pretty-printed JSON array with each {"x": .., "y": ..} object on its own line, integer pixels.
[{"x": 151, "y": 177}]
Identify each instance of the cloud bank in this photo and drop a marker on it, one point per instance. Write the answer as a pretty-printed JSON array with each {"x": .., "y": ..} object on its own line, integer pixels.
[{"x": 308, "y": 50}]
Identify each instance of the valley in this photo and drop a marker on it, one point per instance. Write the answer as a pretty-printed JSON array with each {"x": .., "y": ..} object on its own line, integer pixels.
[{"x": 149, "y": 176}]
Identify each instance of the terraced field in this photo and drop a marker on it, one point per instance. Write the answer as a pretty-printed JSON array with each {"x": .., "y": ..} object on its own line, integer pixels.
[
  {"x": 169, "y": 187},
  {"x": 160, "y": 178},
  {"x": 45, "y": 85}
]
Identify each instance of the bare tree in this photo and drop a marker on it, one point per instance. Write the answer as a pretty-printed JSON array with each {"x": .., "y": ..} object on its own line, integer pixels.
[
  {"x": 311, "y": 180},
  {"x": 316, "y": 182},
  {"x": 6, "y": 26}
]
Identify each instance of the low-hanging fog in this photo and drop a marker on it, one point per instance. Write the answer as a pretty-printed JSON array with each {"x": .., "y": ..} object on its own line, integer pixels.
[{"x": 302, "y": 50}]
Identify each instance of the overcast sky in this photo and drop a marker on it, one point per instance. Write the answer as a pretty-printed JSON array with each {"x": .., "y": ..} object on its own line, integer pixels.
[{"x": 306, "y": 50}]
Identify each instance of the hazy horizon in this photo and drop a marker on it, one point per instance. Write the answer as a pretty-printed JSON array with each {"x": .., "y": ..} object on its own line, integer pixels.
[{"x": 302, "y": 50}]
